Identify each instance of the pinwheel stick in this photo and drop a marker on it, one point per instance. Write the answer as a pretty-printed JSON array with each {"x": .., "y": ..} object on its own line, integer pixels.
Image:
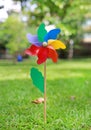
[{"x": 45, "y": 92}]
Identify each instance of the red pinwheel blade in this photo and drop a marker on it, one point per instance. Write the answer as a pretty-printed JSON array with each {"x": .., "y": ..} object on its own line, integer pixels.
[
  {"x": 33, "y": 50},
  {"x": 52, "y": 54},
  {"x": 42, "y": 55}
]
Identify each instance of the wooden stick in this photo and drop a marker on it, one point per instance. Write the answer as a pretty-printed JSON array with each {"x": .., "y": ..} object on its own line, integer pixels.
[{"x": 45, "y": 92}]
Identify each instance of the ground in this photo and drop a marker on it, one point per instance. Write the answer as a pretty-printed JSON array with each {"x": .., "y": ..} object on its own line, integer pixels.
[{"x": 68, "y": 96}]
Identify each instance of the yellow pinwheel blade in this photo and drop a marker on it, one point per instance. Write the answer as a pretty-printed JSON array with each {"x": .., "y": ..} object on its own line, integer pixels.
[{"x": 56, "y": 44}]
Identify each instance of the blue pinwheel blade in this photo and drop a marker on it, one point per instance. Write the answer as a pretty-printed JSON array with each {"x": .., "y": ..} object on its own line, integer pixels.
[
  {"x": 52, "y": 34},
  {"x": 33, "y": 39}
]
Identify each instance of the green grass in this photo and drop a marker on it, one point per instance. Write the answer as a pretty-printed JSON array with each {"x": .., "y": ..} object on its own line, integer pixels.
[{"x": 68, "y": 96}]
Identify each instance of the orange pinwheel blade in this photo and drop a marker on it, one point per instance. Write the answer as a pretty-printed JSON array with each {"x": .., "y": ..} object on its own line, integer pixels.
[
  {"x": 56, "y": 44},
  {"x": 52, "y": 54}
]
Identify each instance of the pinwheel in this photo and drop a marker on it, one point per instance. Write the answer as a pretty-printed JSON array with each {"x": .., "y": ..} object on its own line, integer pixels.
[{"x": 44, "y": 44}]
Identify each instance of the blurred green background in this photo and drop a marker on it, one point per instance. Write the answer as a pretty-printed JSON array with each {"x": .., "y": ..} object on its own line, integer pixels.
[{"x": 18, "y": 17}]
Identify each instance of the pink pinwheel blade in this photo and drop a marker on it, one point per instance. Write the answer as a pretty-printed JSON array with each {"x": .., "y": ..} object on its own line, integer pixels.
[{"x": 33, "y": 39}]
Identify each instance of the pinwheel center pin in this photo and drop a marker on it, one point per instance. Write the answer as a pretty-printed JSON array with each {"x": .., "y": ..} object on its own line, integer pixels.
[{"x": 45, "y": 44}]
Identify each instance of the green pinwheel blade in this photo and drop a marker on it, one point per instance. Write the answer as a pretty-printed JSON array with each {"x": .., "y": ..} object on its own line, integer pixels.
[
  {"x": 37, "y": 78},
  {"x": 41, "y": 32}
]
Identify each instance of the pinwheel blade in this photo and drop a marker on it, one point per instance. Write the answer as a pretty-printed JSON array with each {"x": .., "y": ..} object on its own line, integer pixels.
[
  {"x": 41, "y": 32},
  {"x": 42, "y": 55},
  {"x": 52, "y": 54},
  {"x": 33, "y": 50},
  {"x": 52, "y": 34},
  {"x": 33, "y": 39},
  {"x": 56, "y": 44}
]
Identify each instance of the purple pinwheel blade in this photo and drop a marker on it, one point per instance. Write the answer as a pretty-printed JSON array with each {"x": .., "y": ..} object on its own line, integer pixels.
[{"x": 33, "y": 39}]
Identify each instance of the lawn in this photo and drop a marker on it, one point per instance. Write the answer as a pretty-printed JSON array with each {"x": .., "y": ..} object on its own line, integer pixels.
[{"x": 68, "y": 96}]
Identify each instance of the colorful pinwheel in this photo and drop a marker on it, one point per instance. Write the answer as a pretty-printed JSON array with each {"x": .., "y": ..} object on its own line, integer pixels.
[{"x": 44, "y": 44}]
